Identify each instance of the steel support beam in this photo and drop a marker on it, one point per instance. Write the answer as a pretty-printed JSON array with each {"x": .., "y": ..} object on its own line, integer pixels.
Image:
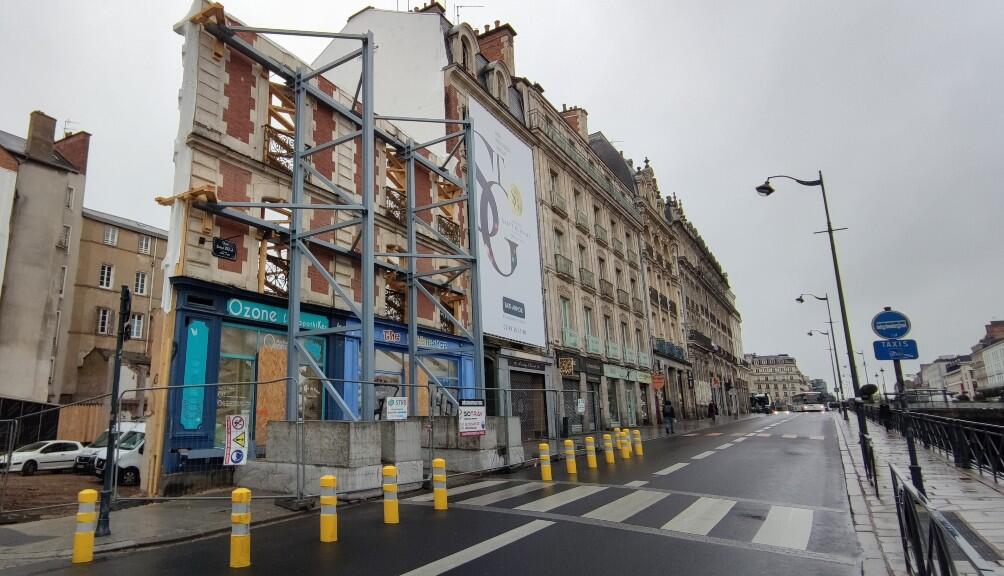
[{"x": 368, "y": 269}]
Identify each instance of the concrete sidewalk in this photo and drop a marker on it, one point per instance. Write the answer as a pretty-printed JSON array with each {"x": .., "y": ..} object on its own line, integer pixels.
[{"x": 975, "y": 501}]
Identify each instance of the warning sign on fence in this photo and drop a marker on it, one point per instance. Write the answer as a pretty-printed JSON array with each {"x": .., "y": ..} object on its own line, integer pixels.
[
  {"x": 238, "y": 440},
  {"x": 472, "y": 418}
]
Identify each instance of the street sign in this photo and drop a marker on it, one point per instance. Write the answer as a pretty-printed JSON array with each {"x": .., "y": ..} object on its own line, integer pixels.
[
  {"x": 396, "y": 408},
  {"x": 891, "y": 324},
  {"x": 226, "y": 249},
  {"x": 237, "y": 440},
  {"x": 896, "y": 350},
  {"x": 580, "y": 406},
  {"x": 472, "y": 418}
]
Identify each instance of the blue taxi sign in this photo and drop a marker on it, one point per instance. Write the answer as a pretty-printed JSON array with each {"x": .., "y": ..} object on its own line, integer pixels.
[{"x": 893, "y": 349}]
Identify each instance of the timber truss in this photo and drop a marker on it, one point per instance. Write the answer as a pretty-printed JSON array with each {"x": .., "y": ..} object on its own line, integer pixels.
[{"x": 292, "y": 243}]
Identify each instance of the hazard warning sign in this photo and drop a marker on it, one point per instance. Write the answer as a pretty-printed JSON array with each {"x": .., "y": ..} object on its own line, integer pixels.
[{"x": 237, "y": 440}]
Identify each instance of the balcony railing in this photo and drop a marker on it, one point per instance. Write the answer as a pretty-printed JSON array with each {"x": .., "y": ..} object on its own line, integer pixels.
[
  {"x": 448, "y": 228},
  {"x": 630, "y": 356},
  {"x": 699, "y": 338},
  {"x": 588, "y": 279},
  {"x": 569, "y": 337},
  {"x": 672, "y": 308},
  {"x": 632, "y": 257},
  {"x": 397, "y": 204},
  {"x": 601, "y": 234},
  {"x": 623, "y": 298},
  {"x": 394, "y": 305},
  {"x": 593, "y": 344},
  {"x": 558, "y": 204},
  {"x": 581, "y": 221},
  {"x": 653, "y": 296},
  {"x": 670, "y": 350},
  {"x": 613, "y": 349},
  {"x": 643, "y": 360},
  {"x": 663, "y": 302},
  {"x": 564, "y": 267},
  {"x": 638, "y": 305},
  {"x": 278, "y": 149},
  {"x": 606, "y": 290},
  {"x": 618, "y": 246}
]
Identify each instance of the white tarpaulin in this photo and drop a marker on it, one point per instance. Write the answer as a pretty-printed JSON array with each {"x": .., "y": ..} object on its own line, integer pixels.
[{"x": 508, "y": 245}]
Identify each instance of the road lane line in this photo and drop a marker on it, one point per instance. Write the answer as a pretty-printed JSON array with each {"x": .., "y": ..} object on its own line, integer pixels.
[
  {"x": 764, "y": 435},
  {"x": 480, "y": 549},
  {"x": 459, "y": 490},
  {"x": 815, "y": 437},
  {"x": 548, "y": 503},
  {"x": 500, "y": 495},
  {"x": 702, "y": 455},
  {"x": 786, "y": 527},
  {"x": 736, "y": 434},
  {"x": 701, "y": 516},
  {"x": 740, "y": 439},
  {"x": 714, "y": 433},
  {"x": 751, "y": 434},
  {"x": 724, "y": 446},
  {"x": 691, "y": 434},
  {"x": 636, "y": 483},
  {"x": 625, "y": 507},
  {"x": 789, "y": 435},
  {"x": 671, "y": 469}
]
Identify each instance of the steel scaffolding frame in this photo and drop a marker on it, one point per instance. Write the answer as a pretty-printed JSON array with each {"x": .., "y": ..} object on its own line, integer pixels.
[{"x": 299, "y": 240}]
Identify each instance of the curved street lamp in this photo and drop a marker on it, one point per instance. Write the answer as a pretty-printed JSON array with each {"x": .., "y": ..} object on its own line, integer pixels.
[
  {"x": 766, "y": 189},
  {"x": 839, "y": 379}
]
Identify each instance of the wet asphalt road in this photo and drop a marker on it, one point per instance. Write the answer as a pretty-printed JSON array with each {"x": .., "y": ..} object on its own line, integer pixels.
[{"x": 762, "y": 496}]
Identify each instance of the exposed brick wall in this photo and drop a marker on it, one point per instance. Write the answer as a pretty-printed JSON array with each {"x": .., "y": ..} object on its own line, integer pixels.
[
  {"x": 324, "y": 131},
  {"x": 318, "y": 283},
  {"x": 7, "y": 161},
  {"x": 426, "y": 309},
  {"x": 491, "y": 47},
  {"x": 74, "y": 149},
  {"x": 320, "y": 218},
  {"x": 239, "y": 91},
  {"x": 235, "y": 186},
  {"x": 423, "y": 191}
]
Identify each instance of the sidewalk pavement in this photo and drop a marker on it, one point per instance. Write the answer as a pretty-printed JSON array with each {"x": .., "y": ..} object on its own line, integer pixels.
[
  {"x": 976, "y": 501},
  {"x": 178, "y": 520}
]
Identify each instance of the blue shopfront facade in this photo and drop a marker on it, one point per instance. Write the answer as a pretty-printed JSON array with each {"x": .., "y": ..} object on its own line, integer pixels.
[{"x": 229, "y": 358}]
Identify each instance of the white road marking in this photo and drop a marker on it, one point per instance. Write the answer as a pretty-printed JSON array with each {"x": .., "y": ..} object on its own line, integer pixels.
[
  {"x": 815, "y": 437},
  {"x": 671, "y": 469},
  {"x": 493, "y": 497},
  {"x": 736, "y": 434},
  {"x": 789, "y": 435},
  {"x": 764, "y": 435},
  {"x": 560, "y": 499},
  {"x": 691, "y": 434},
  {"x": 740, "y": 439},
  {"x": 724, "y": 446},
  {"x": 452, "y": 561},
  {"x": 459, "y": 490},
  {"x": 702, "y": 455},
  {"x": 714, "y": 433},
  {"x": 751, "y": 434},
  {"x": 636, "y": 483},
  {"x": 625, "y": 507},
  {"x": 786, "y": 527},
  {"x": 701, "y": 516}
]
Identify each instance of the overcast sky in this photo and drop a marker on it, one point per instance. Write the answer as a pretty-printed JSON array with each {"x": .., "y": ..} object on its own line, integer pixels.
[{"x": 898, "y": 103}]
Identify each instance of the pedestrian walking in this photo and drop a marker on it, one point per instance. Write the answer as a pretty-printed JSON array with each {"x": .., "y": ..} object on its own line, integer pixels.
[
  {"x": 712, "y": 410},
  {"x": 668, "y": 414},
  {"x": 885, "y": 415}
]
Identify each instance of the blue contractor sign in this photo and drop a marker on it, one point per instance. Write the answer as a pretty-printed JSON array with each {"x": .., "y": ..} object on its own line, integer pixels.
[
  {"x": 896, "y": 350},
  {"x": 891, "y": 324}
]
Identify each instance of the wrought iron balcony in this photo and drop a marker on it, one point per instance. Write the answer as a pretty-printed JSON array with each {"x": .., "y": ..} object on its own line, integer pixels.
[
  {"x": 558, "y": 203},
  {"x": 569, "y": 337},
  {"x": 699, "y": 338},
  {"x": 588, "y": 279},
  {"x": 593, "y": 345},
  {"x": 394, "y": 303},
  {"x": 672, "y": 308},
  {"x": 669, "y": 350},
  {"x": 653, "y": 296},
  {"x": 623, "y": 299},
  {"x": 445, "y": 324},
  {"x": 396, "y": 203},
  {"x": 632, "y": 258},
  {"x": 613, "y": 349},
  {"x": 630, "y": 356},
  {"x": 601, "y": 234},
  {"x": 563, "y": 266},
  {"x": 581, "y": 221},
  {"x": 663, "y": 302},
  {"x": 643, "y": 360},
  {"x": 278, "y": 149},
  {"x": 606, "y": 290},
  {"x": 638, "y": 305},
  {"x": 618, "y": 246},
  {"x": 449, "y": 228}
]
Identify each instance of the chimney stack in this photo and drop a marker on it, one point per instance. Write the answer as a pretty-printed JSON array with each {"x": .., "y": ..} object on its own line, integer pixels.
[
  {"x": 41, "y": 136},
  {"x": 497, "y": 44},
  {"x": 576, "y": 118}
]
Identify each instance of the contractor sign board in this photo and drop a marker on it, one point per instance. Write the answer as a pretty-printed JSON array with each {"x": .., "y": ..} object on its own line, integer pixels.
[{"x": 512, "y": 304}]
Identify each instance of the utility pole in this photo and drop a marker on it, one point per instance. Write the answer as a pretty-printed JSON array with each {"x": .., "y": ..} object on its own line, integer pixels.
[
  {"x": 125, "y": 307},
  {"x": 915, "y": 472}
]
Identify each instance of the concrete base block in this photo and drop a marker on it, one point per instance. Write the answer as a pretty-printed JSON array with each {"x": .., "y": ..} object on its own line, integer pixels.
[
  {"x": 400, "y": 441},
  {"x": 326, "y": 443},
  {"x": 362, "y": 482},
  {"x": 458, "y": 460}
]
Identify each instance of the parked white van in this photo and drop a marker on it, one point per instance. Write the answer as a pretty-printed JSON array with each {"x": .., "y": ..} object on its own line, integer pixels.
[
  {"x": 129, "y": 458},
  {"x": 85, "y": 460}
]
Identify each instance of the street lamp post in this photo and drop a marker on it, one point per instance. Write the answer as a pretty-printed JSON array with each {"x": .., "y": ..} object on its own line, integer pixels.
[
  {"x": 864, "y": 362},
  {"x": 838, "y": 386},
  {"x": 833, "y": 343},
  {"x": 766, "y": 189},
  {"x": 884, "y": 393}
]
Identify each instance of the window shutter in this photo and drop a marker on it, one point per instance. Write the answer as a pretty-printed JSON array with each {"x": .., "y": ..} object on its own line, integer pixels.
[
  {"x": 97, "y": 320},
  {"x": 112, "y": 327}
]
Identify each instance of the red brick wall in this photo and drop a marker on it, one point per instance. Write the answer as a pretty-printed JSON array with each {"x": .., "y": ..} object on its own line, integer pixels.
[
  {"x": 239, "y": 91},
  {"x": 324, "y": 131},
  {"x": 491, "y": 47},
  {"x": 234, "y": 188},
  {"x": 423, "y": 191},
  {"x": 318, "y": 283},
  {"x": 7, "y": 161},
  {"x": 74, "y": 148}
]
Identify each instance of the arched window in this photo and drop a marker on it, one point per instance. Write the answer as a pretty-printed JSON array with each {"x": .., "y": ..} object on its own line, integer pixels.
[{"x": 466, "y": 54}]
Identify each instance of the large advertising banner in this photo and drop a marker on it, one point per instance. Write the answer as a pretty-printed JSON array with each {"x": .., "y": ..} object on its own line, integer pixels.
[{"x": 512, "y": 305}]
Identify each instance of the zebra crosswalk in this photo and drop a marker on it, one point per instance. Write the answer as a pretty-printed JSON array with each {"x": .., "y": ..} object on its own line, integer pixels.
[{"x": 687, "y": 514}]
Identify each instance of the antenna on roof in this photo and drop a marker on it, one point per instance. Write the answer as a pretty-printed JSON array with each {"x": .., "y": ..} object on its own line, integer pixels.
[
  {"x": 457, "y": 7},
  {"x": 67, "y": 130}
]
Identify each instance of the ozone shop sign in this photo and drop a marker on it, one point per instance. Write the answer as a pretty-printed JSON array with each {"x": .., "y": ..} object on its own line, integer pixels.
[{"x": 257, "y": 312}]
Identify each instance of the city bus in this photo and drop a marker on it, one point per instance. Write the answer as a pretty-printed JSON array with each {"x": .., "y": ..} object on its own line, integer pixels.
[{"x": 808, "y": 402}]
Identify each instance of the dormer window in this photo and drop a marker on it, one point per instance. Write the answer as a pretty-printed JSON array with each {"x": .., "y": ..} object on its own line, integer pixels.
[{"x": 466, "y": 54}]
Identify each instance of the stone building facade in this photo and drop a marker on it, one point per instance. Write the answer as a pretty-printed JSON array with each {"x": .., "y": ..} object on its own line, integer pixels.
[{"x": 777, "y": 375}]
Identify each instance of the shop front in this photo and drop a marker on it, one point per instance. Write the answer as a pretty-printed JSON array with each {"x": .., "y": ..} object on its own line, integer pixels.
[
  {"x": 524, "y": 380},
  {"x": 230, "y": 355},
  {"x": 593, "y": 370}
]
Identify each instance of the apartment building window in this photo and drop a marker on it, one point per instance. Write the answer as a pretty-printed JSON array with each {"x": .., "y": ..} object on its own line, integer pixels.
[
  {"x": 608, "y": 328},
  {"x": 576, "y": 199},
  {"x": 566, "y": 312},
  {"x": 140, "y": 285},
  {"x": 104, "y": 324},
  {"x": 136, "y": 326},
  {"x": 617, "y": 277},
  {"x": 554, "y": 181},
  {"x": 111, "y": 236},
  {"x": 637, "y": 339},
  {"x": 624, "y": 334},
  {"x": 64, "y": 238},
  {"x": 145, "y": 242},
  {"x": 582, "y": 257},
  {"x": 602, "y": 268},
  {"x": 105, "y": 276},
  {"x": 587, "y": 313},
  {"x": 634, "y": 288},
  {"x": 69, "y": 196},
  {"x": 62, "y": 280},
  {"x": 559, "y": 242}
]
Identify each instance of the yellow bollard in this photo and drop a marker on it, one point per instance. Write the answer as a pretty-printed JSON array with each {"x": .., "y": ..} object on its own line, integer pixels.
[
  {"x": 625, "y": 446},
  {"x": 390, "y": 511},
  {"x": 439, "y": 484},
  {"x": 570, "y": 457},
  {"x": 240, "y": 528},
  {"x": 329, "y": 509},
  {"x": 545, "y": 462},
  {"x": 638, "y": 449},
  {"x": 608, "y": 449},
  {"x": 87, "y": 518},
  {"x": 617, "y": 439},
  {"x": 590, "y": 452},
  {"x": 627, "y": 441}
]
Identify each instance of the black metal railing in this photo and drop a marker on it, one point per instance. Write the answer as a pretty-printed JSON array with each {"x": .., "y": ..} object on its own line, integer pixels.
[
  {"x": 871, "y": 470},
  {"x": 970, "y": 443},
  {"x": 926, "y": 535}
]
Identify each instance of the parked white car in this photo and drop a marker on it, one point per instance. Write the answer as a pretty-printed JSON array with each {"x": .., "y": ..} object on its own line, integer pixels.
[
  {"x": 128, "y": 459},
  {"x": 45, "y": 455}
]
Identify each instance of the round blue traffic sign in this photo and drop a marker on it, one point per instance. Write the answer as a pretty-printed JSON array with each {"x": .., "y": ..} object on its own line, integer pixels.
[{"x": 891, "y": 324}]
